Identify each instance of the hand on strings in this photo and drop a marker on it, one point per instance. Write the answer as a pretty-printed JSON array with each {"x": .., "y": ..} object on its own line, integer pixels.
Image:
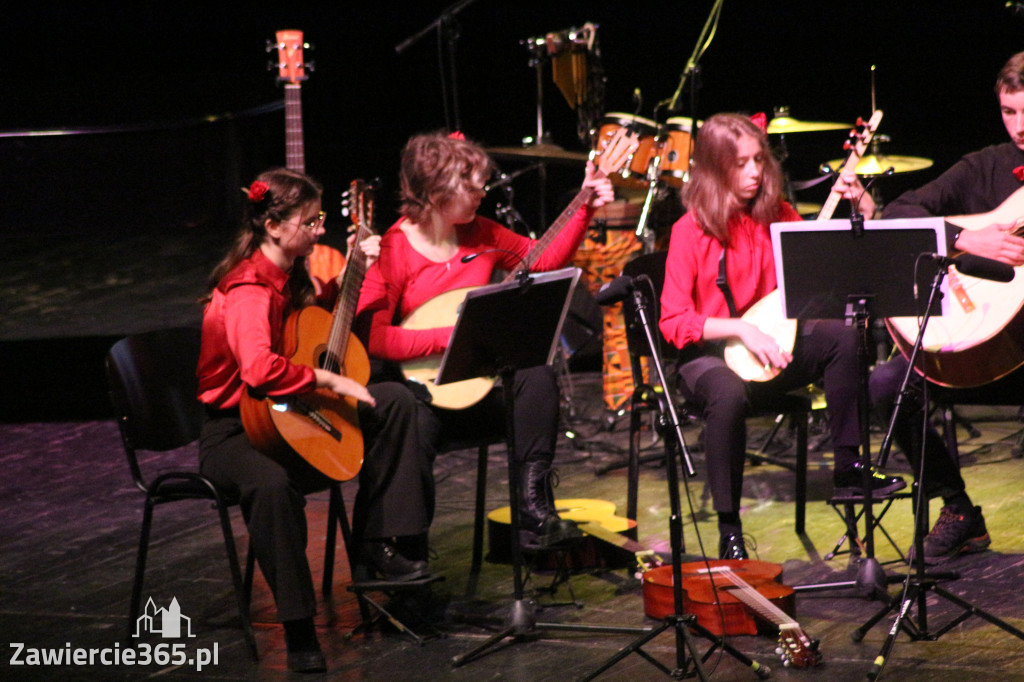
[
  {"x": 997, "y": 241},
  {"x": 850, "y": 187},
  {"x": 343, "y": 386},
  {"x": 764, "y": 347},
  {"x": 602, "y": 186}
]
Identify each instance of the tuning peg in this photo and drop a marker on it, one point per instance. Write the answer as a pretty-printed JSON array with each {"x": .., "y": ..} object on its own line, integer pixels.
[
  {"x": 310, "y": 66},
  {"x": 271, "y": 45}
]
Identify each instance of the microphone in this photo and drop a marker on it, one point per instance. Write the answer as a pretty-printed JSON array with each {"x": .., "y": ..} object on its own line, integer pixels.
[
  {"x": 614, "y": 291},
  {"x": 977, "y": 266}
]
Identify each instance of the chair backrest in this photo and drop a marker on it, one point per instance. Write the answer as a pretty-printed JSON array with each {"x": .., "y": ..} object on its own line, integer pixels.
[
  {"x": 648, "y": 273},
  {"x": 152, "y": 382}
]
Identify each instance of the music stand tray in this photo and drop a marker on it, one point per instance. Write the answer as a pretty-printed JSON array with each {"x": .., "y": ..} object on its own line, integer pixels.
[
  {"x": 513, "y": 324},
  {"x": 821, "y": 264}
]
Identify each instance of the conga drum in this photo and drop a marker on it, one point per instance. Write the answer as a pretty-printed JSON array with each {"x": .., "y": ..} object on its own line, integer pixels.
[
  {"x": 634, "y": 173},
  {"x": 610, "y": 243}
]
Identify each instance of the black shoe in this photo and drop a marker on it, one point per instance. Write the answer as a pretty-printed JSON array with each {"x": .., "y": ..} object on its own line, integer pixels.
[
  {"x": 955, "y": 533},
  {"x": 849, "y": 483},
  {"x": 549, "y": 531},
  {"x": 385, "y": 560},
  {"x": 539, "y": 523},
  {"x": 307, "y": 661},
  {"x": 731, "y": 546}
]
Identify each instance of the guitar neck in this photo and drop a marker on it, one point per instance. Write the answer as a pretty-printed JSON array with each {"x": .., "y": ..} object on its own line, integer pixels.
[
  {"x": 556, "y": 228},
  {"x": 857, "y": 150},
  {"x": 755, "y": 600},
  {"x": 295, "y": 157}
]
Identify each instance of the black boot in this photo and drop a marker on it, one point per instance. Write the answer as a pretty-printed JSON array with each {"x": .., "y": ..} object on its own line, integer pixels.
[{"x": 539, "y": 523}]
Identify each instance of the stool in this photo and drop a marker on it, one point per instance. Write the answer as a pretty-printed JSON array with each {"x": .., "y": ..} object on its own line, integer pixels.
[
  {"x": 398, "y": 594},
  {"x": 851, "y": 518}
]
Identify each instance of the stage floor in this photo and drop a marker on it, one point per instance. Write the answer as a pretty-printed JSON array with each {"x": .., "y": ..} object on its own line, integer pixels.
[{"x": 71, "y": 520}]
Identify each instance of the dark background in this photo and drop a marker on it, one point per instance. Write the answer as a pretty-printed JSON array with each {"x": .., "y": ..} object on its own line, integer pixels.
[{"x": 112, "y": 230}]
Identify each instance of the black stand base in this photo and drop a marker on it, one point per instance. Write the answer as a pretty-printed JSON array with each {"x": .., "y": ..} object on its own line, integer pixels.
[
  {"x": 684, "y": 626},
  {"x": 521, "y": 626}
]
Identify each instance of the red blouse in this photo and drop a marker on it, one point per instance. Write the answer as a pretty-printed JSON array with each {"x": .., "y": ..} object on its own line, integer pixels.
[
  {"x": 403, "y": 279},
  {"x": 691, "y": 294},
  {"x": 242, "y": 332}
]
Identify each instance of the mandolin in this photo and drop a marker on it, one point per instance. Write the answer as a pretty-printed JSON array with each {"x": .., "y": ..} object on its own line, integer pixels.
[
  {"x": 320, "y": 425},
  {"x": 735, "y": 597},
  {"x": 443, "y": 310},
  {"x": 977, "y": 341},
  {"x": 766, "y": 314}
]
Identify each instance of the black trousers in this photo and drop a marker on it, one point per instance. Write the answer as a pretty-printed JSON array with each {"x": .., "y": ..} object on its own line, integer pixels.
[
  {"x": 535, "y": 413},
  {"x": 395, "y": 498},
  {"x": 824, "y": 349},
  {"x": 941, "y": 473}
]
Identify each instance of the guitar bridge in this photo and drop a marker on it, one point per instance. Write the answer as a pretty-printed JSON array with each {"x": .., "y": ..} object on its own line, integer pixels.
[{"x": 299, "y": 406}]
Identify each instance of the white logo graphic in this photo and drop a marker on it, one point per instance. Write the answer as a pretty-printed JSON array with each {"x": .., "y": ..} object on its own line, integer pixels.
[{"x": 167, "y": 622}]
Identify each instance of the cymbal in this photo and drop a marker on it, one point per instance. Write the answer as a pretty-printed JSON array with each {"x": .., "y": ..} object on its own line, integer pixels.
[
  {"x": 876, "y": 164},
  {"x": 785, "y": 124},
  {"x": 539, "y": 151},
  {"x": 804, "y": 208}
]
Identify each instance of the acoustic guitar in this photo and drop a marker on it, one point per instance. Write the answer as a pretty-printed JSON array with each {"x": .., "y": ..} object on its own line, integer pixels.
[
  {"x": 979, "y": 340},
  {"x": 766, "y": 314},
  {"x": 735, "y": 597},
  {"x": 320, "y": 425},
  {"x": 443, "y": 310}
]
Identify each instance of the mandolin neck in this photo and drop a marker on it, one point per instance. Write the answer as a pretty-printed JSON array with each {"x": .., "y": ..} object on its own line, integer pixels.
[{"x": 556, "y": 228}]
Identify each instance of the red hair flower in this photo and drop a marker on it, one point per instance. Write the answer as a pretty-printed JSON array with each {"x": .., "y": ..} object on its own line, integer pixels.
[
  {"x": 257, "y": 191},
  {"x": 1018, "y": 172},
  {"x": 457, "y": 135},
  {"x": 760, "y": 120}
]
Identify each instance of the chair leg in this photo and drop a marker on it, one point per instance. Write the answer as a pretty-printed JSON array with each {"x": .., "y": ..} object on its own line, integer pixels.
[
  {"x": 478, "y": 520},
  {"x": 801, "y": 472},
  {"x": 140, "y": 568},
  {"x": 337, "y": 517},
  {"x": 243, "y": 588}
]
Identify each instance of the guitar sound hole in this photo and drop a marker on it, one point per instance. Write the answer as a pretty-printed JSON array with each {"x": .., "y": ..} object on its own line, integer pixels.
[{"x": 329, "y": 361}]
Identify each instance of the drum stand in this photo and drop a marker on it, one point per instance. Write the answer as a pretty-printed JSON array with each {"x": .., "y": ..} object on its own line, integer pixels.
[
  {"x": 684, "y": 625},
  {"x": 918, "y": 582}
]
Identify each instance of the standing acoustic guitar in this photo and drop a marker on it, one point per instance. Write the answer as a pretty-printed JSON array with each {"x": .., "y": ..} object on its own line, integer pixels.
[
  {"x": 321, "y": 426},
  {"x": 443, "y": 309},
  {"x": 766, "y": 314}
]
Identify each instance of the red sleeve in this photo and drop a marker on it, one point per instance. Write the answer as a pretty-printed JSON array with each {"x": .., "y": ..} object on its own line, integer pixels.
[
  {"x": 249, "y": 337},
  {"x": 680, "y": 322},
  {"x": 558, "y": 253},
  {"x": 378, "y": 305}
]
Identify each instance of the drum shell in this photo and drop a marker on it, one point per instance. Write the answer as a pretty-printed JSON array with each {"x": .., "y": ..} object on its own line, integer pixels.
[
  {"x": 675, "y": 150},
  {"x": 634, "y": 173}
]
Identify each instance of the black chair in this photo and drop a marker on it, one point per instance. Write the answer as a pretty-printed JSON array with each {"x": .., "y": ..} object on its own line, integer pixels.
[
  {"x": 648, "y": 271},
  {"x": 152, "y": 383}
]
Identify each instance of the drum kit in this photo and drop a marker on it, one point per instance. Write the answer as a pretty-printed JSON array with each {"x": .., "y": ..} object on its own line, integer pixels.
[{"x": 672, "y": 144}]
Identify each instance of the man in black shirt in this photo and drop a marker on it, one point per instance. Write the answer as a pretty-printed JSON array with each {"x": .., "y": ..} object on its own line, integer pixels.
[{"x": 978, "y": 183}]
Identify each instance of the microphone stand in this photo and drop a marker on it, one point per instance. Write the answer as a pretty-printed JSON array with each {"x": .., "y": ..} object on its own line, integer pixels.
[
  {"x": 447, "y": 33},
  {"x": 918, "y": 582},
  {"x": 683, "y": 624}
]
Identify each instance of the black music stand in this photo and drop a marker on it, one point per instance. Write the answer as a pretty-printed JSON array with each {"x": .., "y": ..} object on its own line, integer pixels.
[
  {"x": 503, "y": 328},
  {"x": 826, "y": 270}
]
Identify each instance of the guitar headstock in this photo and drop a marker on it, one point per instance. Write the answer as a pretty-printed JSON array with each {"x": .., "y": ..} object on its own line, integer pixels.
[
  {"x": 797, "y": 649},
  {"x": 617, "y": 150},
  {"x": 357, "y": 204},
  {"x": 861, "y": 135},
  {"x": 291, "y": 68}
]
